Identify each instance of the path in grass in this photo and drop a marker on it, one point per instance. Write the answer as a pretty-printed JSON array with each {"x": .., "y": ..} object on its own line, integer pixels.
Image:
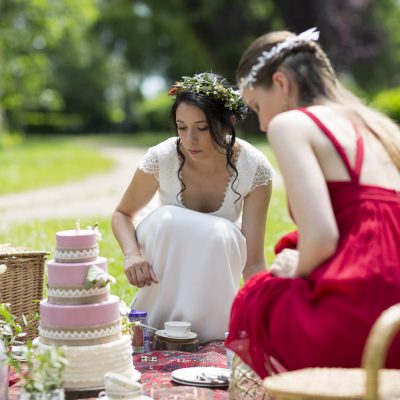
[{"x": 97, "y": 195}]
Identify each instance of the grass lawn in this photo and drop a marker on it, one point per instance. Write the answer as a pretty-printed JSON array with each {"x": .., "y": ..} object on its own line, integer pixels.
[
  {"x": 40, "y": 235},
  {"x": 42, "y": 161}
]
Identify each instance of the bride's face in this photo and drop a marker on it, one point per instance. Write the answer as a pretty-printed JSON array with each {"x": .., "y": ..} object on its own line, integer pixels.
[{"x": 193, "y": 130}]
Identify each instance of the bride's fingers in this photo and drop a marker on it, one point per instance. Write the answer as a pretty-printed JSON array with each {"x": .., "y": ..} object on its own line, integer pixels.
[
  {"x": 153, "y": 275},
  {"x": 130, "y": 273},
  {"x": 141, "y": 277},
  {"x": 146, "y": 278}
]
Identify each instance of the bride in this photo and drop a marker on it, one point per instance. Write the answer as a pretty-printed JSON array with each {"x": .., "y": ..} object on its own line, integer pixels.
[{"x": 188, "y": 255}]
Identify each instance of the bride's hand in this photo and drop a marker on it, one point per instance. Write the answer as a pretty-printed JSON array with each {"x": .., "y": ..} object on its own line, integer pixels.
[
  {"x": 138, "y": 271},
  {"x": 285, "y": 264}
]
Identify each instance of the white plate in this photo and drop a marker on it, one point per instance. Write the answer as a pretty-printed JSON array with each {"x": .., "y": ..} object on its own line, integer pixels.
[
  {"x": 201, "y": 384},
  {"x": 190, "y": 335},
  {"x": 189, "y": 376}
]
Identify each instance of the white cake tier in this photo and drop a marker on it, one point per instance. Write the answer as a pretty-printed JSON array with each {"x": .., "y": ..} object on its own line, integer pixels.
[{"x": 88, "y": 364}]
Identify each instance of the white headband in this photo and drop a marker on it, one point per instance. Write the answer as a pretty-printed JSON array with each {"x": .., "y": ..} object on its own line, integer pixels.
[{"x": 306, "y": 36}]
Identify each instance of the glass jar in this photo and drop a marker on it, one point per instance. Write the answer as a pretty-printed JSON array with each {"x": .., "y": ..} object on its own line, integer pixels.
[{"x": 140, "y": 332}]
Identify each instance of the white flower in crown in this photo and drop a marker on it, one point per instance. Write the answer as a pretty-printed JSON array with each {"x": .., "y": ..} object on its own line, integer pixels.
[{"x": 96, "y": 230}]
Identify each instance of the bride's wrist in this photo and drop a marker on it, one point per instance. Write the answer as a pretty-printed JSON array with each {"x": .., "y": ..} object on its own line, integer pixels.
[{"x": 128, "y": 258}]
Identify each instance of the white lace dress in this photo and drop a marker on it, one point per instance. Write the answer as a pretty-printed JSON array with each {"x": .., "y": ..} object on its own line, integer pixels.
[{"x": 198, "y": 258}]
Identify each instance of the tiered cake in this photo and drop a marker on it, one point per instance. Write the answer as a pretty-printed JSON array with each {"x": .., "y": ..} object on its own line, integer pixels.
[{"x": 85, "y": 321}]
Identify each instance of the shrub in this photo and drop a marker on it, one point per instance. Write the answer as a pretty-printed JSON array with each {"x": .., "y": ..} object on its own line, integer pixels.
[
  {"x": 153, "y": 114},
  {"x": 388, "y": 101}
]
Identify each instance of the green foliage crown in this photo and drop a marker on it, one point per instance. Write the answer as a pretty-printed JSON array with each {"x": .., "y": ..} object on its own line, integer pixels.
[{"x": 210, "y": 85}]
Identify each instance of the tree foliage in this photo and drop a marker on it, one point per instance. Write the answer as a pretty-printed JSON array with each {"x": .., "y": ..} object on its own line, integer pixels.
[{"x": 86, "y": 60}]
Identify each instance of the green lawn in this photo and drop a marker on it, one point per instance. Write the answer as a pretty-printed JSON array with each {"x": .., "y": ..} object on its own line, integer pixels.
[
  {"x": 40, "y": 235},
  {"x": 42, "y": 161}
]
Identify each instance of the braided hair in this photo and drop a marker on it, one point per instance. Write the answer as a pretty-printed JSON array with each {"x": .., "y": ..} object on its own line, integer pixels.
[{"x": 317, "y": 82}]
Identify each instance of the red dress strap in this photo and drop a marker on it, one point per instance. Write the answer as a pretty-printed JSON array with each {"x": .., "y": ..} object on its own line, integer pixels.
[{"x": 353, "y": 172}]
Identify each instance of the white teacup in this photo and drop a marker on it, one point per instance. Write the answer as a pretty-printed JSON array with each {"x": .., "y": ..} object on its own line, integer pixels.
[
  {"x": 177, "y": 328},
  {"x": 120, "y": 387}
]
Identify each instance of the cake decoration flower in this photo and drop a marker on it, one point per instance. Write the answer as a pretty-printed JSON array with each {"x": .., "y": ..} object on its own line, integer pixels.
[
  {"x": 97, "y": 278},
  {"x": 96, "y": 230}
]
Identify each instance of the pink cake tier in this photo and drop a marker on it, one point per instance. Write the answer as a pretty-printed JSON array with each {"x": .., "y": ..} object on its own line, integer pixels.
[
  {"x": 76, "y": 246},
  {"x": 66, "y": 283},
  {"x": 77, "y": 325}
]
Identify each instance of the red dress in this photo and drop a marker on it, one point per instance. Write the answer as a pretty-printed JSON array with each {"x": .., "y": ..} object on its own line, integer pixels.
[{"x": 323, "y": 320}]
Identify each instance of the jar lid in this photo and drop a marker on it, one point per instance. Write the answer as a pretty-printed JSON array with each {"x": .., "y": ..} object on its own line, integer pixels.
[{"x": 137, "y": 314}]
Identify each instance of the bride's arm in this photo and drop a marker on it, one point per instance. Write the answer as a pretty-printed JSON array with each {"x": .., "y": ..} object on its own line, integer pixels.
[
  {"x": 254, "y": 217},
  {"x": 138, "y": 194}
]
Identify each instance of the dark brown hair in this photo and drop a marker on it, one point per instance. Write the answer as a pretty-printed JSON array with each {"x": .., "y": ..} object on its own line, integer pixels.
[{"x": 221, "y": 127}]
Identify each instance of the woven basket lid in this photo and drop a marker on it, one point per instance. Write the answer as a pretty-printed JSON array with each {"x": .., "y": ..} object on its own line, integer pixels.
[
  {"x": 330, "y": 383},
  {"x": 7, "y": 249}
]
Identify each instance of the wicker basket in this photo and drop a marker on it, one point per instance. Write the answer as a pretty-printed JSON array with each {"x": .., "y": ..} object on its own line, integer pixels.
[
  {"x": 341, "y": 383},
  {"x": 22, "y": 284}
]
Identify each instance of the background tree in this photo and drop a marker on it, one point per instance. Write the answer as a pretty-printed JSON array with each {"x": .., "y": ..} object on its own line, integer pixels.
[{"x": 72, "y": 65}]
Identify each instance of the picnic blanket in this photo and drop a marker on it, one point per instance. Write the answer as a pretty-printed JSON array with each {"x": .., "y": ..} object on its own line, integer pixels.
[{"x": 156, "y": 368}]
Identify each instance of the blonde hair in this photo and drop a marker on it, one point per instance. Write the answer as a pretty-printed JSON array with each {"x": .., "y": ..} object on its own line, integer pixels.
[{"x": 316, "y": 79}]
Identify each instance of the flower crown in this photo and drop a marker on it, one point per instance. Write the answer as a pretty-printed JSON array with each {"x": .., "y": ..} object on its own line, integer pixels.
[
  {"x": 306, "y": 36},
  {"x": 210, "y": 86}
]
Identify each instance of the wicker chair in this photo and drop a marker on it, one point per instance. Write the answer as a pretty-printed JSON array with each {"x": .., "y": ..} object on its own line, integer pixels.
[
  {"x": 370, "y": 382},
  {"x": 245, "y": 384},
  {"x": 22, "y": 284}
]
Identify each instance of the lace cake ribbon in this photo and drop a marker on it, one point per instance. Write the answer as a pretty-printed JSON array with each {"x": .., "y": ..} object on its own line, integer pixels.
[
  {"x": 76, "y": 295},
  {"x": 75, "y": 255},
  {"x": 80, "y": 337}
]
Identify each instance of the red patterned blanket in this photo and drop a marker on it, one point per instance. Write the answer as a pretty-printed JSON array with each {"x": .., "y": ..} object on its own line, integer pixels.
[{"x": 156, "y": 368}]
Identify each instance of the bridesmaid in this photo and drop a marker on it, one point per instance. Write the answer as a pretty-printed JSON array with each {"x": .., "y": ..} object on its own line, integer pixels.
[
  {"x": 188, "y": 255},
  {"x": 340, "y": 162}
]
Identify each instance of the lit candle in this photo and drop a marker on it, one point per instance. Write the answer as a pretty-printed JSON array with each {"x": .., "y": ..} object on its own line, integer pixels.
[{"x": 78, "y": 224}]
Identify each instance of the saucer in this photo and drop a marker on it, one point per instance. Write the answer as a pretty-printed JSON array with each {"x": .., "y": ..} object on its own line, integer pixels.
[{"x": 163, "y": 333}]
